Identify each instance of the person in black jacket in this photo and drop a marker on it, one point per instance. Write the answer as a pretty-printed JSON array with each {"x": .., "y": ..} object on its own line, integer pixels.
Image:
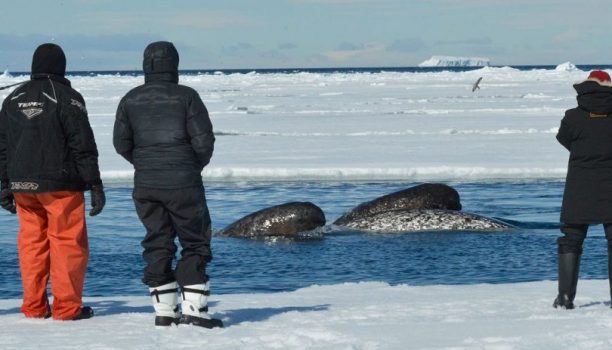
[
  {"x": 586, "y": 131},
  {"x": 48, "y": 157},
  {"x": 163, "y": 129}
]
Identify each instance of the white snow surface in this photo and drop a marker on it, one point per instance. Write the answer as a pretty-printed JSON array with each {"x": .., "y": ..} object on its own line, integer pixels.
[
  {"x": 363, "y": 126},
  {"x": 368, "y": 315},
  {"x": 453, "y": 61},
  {"x": 566, "y": 67}
]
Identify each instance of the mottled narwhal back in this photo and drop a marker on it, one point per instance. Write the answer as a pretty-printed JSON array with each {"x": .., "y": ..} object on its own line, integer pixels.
[
  {"x": 414, "y": 220},
  {"x": 285, "y": 220},
  {"x": 425, "y": 196}
]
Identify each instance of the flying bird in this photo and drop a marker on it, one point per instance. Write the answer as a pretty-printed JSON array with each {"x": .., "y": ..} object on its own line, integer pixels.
[{"x": 475, "y": 86}]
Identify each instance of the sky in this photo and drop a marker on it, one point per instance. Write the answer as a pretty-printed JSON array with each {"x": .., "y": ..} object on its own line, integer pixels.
[{"x": 229, "y": 34}]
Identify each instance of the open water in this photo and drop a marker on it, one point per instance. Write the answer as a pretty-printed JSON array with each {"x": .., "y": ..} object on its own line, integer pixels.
[
  {"x": 527, "y": 253},
  {"x": 583, "y": 67}
]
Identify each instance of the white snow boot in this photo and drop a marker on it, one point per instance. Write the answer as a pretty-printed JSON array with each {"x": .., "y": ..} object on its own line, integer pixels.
[
  {"x": 195, "y": 306},
  {"x": 165, "y": 300}
]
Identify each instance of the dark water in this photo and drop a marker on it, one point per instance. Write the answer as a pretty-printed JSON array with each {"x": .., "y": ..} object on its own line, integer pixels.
[
  {"x": 318, "y": 70},
  {"x": 525, "y": 254}
]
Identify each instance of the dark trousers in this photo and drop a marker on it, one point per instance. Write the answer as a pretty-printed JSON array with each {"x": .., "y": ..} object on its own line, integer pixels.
[
  {"x": 574, "y": 235},
  {"x": 167, "y": 214}
]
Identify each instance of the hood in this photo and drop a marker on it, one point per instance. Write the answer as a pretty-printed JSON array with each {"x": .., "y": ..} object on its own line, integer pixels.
[
  {"x": 594, "y": 97},
  {"x": 49, "y": 59},
  {"x": 160, "y": 62}
]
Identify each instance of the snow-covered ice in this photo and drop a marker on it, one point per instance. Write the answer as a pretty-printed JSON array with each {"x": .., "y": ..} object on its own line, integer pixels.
[
  {"x": 389, "y": 125},
  {"x": 566, "y": 67},
  {"x": 346, "y": 316},
  {"x": 453, "y": 61}
]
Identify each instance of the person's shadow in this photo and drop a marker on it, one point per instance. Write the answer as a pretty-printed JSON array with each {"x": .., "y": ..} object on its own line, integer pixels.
[
  {"x": 14, "y": 310},
  {"x": 596, "y": 303},
  {"x": 235, "y": 317},
  {"x": 115, "y": 307}
]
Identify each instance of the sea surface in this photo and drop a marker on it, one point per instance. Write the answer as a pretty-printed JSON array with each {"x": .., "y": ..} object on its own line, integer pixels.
[
  {"x": 332, "y": 70},
  {"x": 527, "y": 253}
]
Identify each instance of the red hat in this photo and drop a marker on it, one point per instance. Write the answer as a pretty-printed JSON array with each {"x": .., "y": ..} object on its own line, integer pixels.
[{"x": 599, "y": 76}]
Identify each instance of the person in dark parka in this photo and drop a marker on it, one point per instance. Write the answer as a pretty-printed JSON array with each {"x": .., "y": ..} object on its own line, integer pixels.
[
  {"x": 163, "y": 129},
  {"x": 586, "y": 131}
]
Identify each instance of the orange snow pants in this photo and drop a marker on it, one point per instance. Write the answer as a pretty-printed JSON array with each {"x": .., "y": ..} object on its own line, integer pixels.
[{"x": 52, "y": 242}]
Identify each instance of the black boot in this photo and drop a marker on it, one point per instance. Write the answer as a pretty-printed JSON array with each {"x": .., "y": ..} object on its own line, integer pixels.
[
  {"x": 569, "y": 266},
  {"x": 610, "y": 272},
  {"x": 86, "y": 312}
]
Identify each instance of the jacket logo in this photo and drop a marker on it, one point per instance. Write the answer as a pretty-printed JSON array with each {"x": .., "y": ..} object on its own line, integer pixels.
[
  {"x": 78, "y": 104},
  {"x": 30, "y": 104},
  {"x": 31, "y": 109},
  {"x": 597, "y": 115},
  {"x": 31, "y": 112},
  {"x": 32, "y": 186}
]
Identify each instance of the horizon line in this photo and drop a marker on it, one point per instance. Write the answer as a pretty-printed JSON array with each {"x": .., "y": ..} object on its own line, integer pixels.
[{"x": 212, "y": 70}]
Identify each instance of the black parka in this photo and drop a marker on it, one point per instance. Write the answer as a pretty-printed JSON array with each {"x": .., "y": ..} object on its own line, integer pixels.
[
  {"x": 586, "y": 131},
  {"x": 46, "y": 142},
  {"x": 163, "y": 128}
]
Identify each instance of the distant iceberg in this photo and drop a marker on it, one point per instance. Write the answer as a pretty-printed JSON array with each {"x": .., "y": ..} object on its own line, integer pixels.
[
  {"x": 566, "y": 67},
  {"x": 451, "y": 61}
]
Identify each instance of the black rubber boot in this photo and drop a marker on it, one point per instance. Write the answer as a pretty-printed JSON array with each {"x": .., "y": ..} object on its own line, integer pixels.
[
  {"x": 610, "y": 272},
  {"x": 569, "y": 267},
  {"x": 86, "y": 313}
]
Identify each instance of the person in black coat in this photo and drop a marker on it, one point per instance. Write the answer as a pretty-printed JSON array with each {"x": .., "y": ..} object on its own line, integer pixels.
[
  {"x": 586, "y": 131},
  {"x": 163, "y": 129}
]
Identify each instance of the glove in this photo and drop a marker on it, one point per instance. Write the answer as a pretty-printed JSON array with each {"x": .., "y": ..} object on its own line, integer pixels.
[
  {"x": 7, "y": 200},
  {"x": 98, "y": 199}
]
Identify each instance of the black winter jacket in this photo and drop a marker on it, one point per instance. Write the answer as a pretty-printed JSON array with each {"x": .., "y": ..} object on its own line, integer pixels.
[
  {"x": 163, "y": 128},
  {"x": 586, "y": 131},
  {"x": 46, "y": 142}
]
